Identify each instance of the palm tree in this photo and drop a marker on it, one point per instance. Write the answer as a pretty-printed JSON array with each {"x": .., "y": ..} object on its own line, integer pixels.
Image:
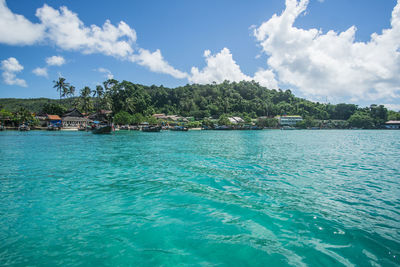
[
  {"x": 61, "y": 86},
  {"x": 99, "y": 92},
  {"x": 71, "y": 92},
  {"x": 85, "y": 96}
]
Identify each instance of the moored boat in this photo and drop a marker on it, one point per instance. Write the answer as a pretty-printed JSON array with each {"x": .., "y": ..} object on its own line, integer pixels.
[
  {"x": 179, "y": 128},
  {"x": 223, "y": 128},
  {"x": 53, "y": 127},
  {"x": 102, "y": 129},
  {"x": 24, "y": 128},
  {"x": 151, "y": 128}
]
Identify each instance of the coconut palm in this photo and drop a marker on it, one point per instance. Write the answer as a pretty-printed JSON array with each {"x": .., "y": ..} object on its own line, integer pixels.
[
  {"x": 71, "y": 91},
  {"x": 99, "y": 92},
  {"x": 62, "y": 86},
  {"x": 85, "y": 97}
]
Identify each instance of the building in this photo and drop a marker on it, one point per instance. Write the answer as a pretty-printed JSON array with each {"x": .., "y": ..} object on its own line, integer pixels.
[
  {"x": 392, "y": 124},
  {"x": 289, "y": 120},
  {"x": 171, "y": 118},
  {"x": 235, "y": 120},
  {"x": 73, "y": 118},
  {"x": 53, "y": 120}
]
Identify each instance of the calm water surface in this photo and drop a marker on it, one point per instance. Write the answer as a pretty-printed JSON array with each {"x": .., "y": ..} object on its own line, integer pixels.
[{"x": 200, "y": 198}]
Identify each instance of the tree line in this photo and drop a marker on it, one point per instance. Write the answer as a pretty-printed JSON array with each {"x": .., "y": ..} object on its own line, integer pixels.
[{"x": 248, "y": 99}]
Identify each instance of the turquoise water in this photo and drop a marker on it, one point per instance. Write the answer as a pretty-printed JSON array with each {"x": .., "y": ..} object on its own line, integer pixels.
[{"x": 200, "y": 198}]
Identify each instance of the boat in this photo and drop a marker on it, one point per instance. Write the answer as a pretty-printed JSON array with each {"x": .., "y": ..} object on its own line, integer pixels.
[
  {"x": 223, "y": 128},
  {"x": 102, "y": 129},
  {"x": 83, "y": 128},
  {"x": 2, "y": 128},
  {"x": 151, "y": 128},
  {"x": 179, "y": 128},
  {"x": 24, "y": 128},
  {"x": 53, "y": 127},
  {"x": 288, "y": 128}
]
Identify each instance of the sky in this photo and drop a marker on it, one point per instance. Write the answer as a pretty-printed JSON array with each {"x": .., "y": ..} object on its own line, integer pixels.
[{"x": 323, "y": 50}]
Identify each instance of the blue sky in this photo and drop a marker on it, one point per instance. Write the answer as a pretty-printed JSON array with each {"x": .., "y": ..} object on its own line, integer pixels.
[{"x": 310, "y": 47}]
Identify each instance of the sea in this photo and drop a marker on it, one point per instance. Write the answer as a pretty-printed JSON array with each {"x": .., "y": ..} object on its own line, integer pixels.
[{"x": 200, "y": 198}]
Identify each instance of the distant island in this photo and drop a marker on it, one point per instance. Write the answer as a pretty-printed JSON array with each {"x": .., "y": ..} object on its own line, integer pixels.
[{"x": 200, "y": 105}]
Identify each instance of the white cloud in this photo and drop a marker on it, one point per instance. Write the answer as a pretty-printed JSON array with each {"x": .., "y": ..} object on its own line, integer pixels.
[
  {"x": 67, "y": 31},
  {"x": 222, "y": 66},
  {"x": 266, "y": 78},
  {"x": 16, "y": 29},
  {"x": 332, "y": 64},
  {"x": 107, "y": 73},
  {"x": 64, "y": 28},
  {"x": 156, "y": 63},
  {"x": 40, "y": 72},
  {"x": 10, "y": 67},
  {"x": 395, "y": 107},
  {"x": 55, "y": 61}
]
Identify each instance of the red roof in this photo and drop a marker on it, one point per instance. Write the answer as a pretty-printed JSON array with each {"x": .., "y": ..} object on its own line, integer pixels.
[{"x": 53, "y": 117}]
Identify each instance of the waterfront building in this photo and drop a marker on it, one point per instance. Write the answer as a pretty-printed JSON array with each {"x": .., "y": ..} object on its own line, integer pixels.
[
  {"x": 53, "y": 120},
  {"x": 235, "y": 120},
  {"x": 392, "y": 124},
  {"x": 289, "y": 120},
  {"x": 73, "y": 118}
]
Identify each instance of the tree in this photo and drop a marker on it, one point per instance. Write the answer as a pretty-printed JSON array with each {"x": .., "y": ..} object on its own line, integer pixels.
[
  {"x": 361, "y": 120},
  {"x": 308, "y": 122},
  {"x": 224, "y": 120},
  {"x": 344, "y": 111},
  {"x": 267, "y": 122},
  {"x": 53, "y": 109},
  {"x": 23, "y": 116},
  {"x": 99, "y": 92},
  {"x": 86, "y": 100},
  {"x": 71, "y": 91},
  {"x": 137, "y": 118},
  {"x": 62, "y": 87},
  {"x": 122, "y": 118},
  {"x": 393, "y": 115},
  {"x": 379, "y": 114}
]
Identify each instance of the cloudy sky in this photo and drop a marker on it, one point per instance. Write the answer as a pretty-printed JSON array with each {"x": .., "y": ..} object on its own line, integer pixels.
[{"x": 325, "y": 50}]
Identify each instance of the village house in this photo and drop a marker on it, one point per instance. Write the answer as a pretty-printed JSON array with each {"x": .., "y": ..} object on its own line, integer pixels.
[
  {"x": 73, "y": 119},
  {"x": 53, "y": 120},
  {"x": 171, "y": 118},
  {"x": 392, "y": 124},
  {"x": 289, "y": 120},
  {"x": 236, "y": 120}
]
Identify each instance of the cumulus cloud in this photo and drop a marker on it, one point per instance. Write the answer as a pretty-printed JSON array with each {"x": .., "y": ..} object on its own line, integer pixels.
[
  {"x": 16, "y": 29},
  {"x": 10, "y": 68},
  {"x": 55, "y": 61},
  {"x": 332, "y": 64},
  {"x": 222, "y": 66},
  {"x": 40, "y": 72},
  {"x": 64, "y": 29},
  {"x": 67, "y": 31},
  {"x": 107, "y": 73},
  {"x": 156, "y": 63}
]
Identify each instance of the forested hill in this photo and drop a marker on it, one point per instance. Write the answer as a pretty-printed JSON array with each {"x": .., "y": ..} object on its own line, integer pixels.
[
  {"x": 34, "y": 105},
  {"x": 199, "y": 101}
]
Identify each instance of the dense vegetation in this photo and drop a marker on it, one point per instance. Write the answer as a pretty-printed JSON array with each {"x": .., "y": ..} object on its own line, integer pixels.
[{"x": 132, "y": 103}]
